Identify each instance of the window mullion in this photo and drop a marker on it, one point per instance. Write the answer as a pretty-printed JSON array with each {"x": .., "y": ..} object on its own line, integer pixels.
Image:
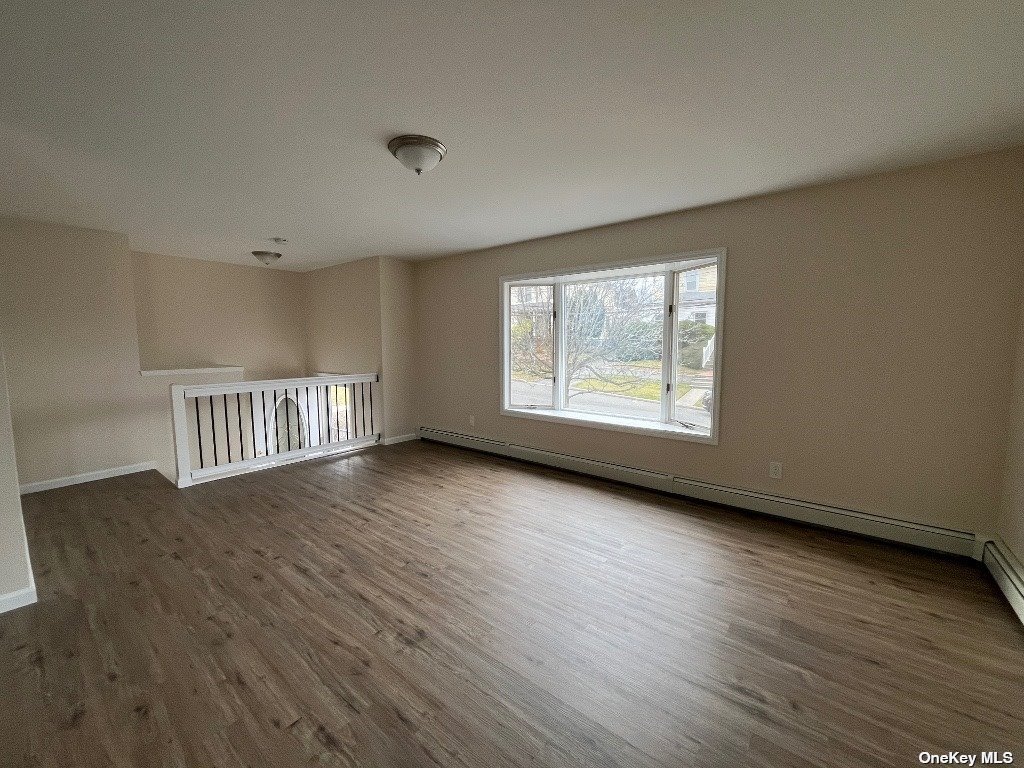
[
  {"x": 561, "y": 385},
  {"x": 668, "y": 350}
]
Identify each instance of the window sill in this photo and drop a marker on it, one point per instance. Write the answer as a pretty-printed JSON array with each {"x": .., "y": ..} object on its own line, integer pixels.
[{"x": 615, "y": 423}]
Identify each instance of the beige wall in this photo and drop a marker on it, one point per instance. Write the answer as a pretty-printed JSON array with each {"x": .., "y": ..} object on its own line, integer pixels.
[
  {"x": 193, "y": 314},
  {"x": 868, "y": 343},
  {"x": 343, "y": 324},
  {"x": 343, "y": 318},
  {"x": 68, "y": 311},
  {"x": 82, "y": 315},
  {"x": 15, "y": 569},
  {"x": 1010, "y": 523},
  {"x": 870, "y": 338},
  {"x": 398, "y": 331}
]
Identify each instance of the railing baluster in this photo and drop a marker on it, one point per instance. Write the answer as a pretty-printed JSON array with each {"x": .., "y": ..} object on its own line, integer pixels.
[
  {"x": 227, "y": 428},
  {"x": 370, "y": 387},
  {"x": 213, "y": 433},
  {"x": 319, "y": 424},
  {"x": 287, "y": 420},
  {"x": 350, "y": 411},
  {"x": 277, "y": 429},
  {"x": 266, "y": 435},
  {"x": 309, "y": 433},
  {"x": 199, "y": 432},
  {"x": 362, "y": 405},
  {"x": 337, "y": 415},
  {"x": 241, "y": 443},
  {"x": 252, "y": 421}
]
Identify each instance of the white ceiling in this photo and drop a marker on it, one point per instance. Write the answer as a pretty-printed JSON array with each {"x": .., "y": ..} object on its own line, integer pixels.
[{"x": 203, "y": 127}]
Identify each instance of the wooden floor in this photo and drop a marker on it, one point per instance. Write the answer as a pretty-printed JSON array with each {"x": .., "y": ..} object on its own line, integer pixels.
[{"x": 421, "y": 605}]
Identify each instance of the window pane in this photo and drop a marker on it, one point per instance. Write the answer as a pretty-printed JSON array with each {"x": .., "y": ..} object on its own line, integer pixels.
[
  {"x": 530, "y": 345},
  {"x": 613, "y": 346},
  {"x": 695, "y": 352}
]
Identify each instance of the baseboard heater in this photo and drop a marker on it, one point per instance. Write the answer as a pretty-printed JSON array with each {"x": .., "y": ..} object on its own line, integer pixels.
[{"x": 852, "y": 521}]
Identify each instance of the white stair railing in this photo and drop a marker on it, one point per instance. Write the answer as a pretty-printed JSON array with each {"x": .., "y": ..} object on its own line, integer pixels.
[{"x": 229, "y": 429}]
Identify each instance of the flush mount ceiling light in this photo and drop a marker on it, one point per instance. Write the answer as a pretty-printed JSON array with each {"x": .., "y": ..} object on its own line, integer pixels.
[
  {"x": 417, "y": 153},
  {"x": 267, "y": 257}
]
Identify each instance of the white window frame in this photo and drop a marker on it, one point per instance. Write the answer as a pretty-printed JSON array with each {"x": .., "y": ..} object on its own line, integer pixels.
[{"x": 670, "y": 267}]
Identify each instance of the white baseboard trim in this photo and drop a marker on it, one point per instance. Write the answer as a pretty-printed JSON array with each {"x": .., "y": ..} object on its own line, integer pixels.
[
  {"x": 876, "y": 526},
  {"x": 86, "y": 477},
  {"x": 18, "y": 599},
  {"x": 1008, "y": 573},
  {"x": 400, "y": 439}
]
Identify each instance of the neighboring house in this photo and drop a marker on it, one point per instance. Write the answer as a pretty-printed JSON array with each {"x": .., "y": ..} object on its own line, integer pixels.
[{"x": 697, "y": 292}]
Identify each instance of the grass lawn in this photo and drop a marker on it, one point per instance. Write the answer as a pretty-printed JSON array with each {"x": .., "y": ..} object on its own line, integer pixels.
[
  {"x": 529, "y": 378},
  {"x": 627, "y": 386},
  {"x": 655, "y": 365}
]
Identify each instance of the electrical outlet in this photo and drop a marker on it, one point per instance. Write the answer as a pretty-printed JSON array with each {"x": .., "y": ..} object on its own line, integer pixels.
[
  {"x": 775, "y": 470},
  {"x": 472, "y": 421}
]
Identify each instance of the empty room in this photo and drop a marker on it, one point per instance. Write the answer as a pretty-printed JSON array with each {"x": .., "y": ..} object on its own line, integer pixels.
[{"x": 609, "y": 384}]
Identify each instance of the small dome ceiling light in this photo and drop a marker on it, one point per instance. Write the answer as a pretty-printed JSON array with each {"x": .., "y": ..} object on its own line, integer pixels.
[
  {"x": 417, "y": 153},
  {"x": 267, "y": 257}
]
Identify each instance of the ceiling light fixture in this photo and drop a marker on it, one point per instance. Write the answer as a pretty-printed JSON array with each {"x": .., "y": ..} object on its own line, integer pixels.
[
  {"x": 267, "y": 257},
  {"x": 417, "y": 153}
]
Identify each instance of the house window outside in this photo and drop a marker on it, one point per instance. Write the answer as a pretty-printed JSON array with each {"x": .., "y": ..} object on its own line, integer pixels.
[{"x": 629, "y": 348}]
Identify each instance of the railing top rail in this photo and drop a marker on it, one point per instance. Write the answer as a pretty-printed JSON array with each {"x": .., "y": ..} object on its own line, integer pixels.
[{"x": 230, "y": 388}]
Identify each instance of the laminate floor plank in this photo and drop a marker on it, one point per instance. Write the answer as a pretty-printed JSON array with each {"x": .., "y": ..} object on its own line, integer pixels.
[{"x": 423, "y": 605}]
